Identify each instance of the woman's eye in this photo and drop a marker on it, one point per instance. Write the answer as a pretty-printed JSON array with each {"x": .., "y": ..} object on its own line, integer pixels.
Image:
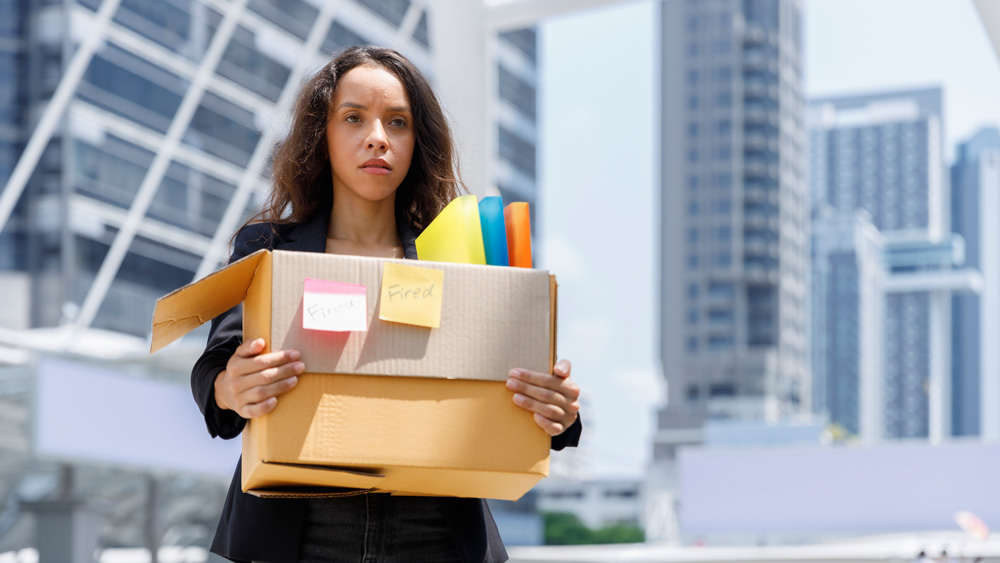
[
  {"x": 352, "y": 118},
  {"x": 398, "y": 122}
]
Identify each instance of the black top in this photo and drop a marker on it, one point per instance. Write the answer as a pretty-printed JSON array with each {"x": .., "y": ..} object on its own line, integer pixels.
[{"x": 253, "y": 528}]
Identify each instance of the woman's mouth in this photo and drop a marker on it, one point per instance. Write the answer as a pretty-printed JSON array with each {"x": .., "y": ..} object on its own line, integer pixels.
[{"x": 376, "y": 166}]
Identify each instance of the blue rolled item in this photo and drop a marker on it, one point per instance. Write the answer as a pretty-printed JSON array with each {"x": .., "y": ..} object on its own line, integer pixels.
[{"x": 494, "y": 231}]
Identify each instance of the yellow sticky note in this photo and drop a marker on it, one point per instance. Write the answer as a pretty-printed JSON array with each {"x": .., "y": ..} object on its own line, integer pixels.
[{"x": 411, "y": 295}]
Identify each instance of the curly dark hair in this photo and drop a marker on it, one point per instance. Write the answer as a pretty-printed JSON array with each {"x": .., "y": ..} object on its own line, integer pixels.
[{"x": 303, "y": 179}]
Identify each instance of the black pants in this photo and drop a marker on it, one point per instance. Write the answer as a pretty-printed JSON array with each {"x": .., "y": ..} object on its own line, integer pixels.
[{"x": 377, "y": 528}]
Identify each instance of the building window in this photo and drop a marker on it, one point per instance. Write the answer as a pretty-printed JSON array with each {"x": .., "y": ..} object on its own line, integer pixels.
[
  {"x": 692, "y": 129},
  {"x": 693, "y": 208},
  {"x": 692, "y": 316},
  {"x": 692, "y": 343},
  {"x": 723, "y": 260},
  {"x": 723, "y": 316},
  {"x": 721, "y": 390},
  {"x": 692, "y": 261},
  {"x": 692, "y": 235},
  {"x": 692, "y": 182},
  {"x": 693, "y": 155},
  {"x": 720, "y": 343},
  {"x": 723, "y": 207},
  {"x": 721, "y": 290},
  {"x": 692, "y": 290},
  {"x": 692, "y": 393}
]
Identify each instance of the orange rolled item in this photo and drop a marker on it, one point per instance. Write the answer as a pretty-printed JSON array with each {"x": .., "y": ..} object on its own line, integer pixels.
[{"x": 518, "y": 224}]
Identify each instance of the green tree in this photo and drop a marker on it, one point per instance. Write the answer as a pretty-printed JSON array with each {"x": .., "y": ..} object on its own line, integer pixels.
[{"x": 562, "y": 528}]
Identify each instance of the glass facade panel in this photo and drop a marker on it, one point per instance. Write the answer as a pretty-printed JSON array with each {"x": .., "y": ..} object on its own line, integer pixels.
[
  {"x": 518, "y": 92},
  {"x": 525, "y": 40},
  {"x": 222, "y": 129},
  {"x": 128, "y": 86},
  {"x": 294, "y": 16},
  {"x": 392, "y": 11},
  {"x": 244, "y": 64},
  {"x": 340, "y": 37},
  {"x": 517, "y": 151},
  {"x": 110, "y": 173},
  {"x": 165, "y": 22}
]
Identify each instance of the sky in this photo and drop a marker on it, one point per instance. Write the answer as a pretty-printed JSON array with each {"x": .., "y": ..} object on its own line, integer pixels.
[{"x": 599, "y": 192}]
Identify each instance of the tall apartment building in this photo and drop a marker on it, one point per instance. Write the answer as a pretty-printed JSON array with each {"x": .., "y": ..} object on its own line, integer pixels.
[
  {"x": 734, "y": 247},
  {"x": 125, "y": 116},
  {"x": 883, "y": 153},
  {"x": 975, "y": 338}
]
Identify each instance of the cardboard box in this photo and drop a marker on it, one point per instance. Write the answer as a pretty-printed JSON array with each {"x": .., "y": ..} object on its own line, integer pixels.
[{"x": 397, "y": 408}]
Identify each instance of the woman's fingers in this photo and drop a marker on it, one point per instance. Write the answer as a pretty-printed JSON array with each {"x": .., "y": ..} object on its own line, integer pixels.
[
  {"x": 553, "y": 398},
  {"x": 251, "y": 381},
  {"x": 544, "y": 386},
  {"x": 254, "y": 410}
]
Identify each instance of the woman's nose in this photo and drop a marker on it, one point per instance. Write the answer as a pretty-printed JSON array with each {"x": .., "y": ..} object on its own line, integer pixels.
[{"x": 377, "y": 138}]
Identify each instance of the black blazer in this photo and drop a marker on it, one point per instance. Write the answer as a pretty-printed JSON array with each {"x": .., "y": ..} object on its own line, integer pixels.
[{"x": 253, "y": 528}]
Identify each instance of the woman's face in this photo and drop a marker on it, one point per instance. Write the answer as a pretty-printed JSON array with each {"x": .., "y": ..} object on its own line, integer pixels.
[{"x": 370, "y": 135}]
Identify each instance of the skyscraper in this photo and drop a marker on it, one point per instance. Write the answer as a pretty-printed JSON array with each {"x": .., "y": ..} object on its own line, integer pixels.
[
  {"x": 883, "y": 153},
  {"x": 735, "y": 247},
  {"x": 975, "y": 207}
]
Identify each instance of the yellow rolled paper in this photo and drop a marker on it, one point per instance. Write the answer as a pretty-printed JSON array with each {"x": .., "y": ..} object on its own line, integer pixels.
[{"x": 455, "y": 235}]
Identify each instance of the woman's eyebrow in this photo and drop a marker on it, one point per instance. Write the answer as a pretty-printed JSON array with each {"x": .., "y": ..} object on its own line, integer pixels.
[{"x": 355, "y": 105}]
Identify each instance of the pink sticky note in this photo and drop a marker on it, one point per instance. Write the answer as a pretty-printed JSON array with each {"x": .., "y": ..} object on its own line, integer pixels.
[{"x": 334, "y": 306}]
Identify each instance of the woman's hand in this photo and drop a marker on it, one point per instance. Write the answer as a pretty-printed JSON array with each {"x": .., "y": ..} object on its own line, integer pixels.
[
  {"x": 554, "y": 398},
  {"x": 251, "y": 381}
]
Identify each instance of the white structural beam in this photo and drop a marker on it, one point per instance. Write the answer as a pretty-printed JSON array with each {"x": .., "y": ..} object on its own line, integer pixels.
[
  {"x": 503, "y": 15},
  {"x": 54, "y": 110},
  {"x": 151, "y": 182},
  {"x": 940, "y": 280},
  {"x": 238, "y": 204},
  {"x": 989, "y": 13},
  {"x": 409, "y": 24},
  {"x": 461, "y": 55}
]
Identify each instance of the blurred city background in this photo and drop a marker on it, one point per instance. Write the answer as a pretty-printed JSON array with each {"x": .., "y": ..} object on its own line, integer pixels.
[{"x": 775, "y": 223}]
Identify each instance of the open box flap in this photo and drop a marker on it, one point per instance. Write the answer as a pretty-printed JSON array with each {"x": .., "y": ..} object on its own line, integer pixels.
[{"x": 187, "y": 308}]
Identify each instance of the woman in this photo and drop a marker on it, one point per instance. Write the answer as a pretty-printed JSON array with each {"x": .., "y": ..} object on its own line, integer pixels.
[{"x": 368, "y": 161}]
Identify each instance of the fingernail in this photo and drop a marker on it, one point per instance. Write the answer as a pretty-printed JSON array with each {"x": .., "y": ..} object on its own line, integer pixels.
[
  {"x": 518, "y": 398},
  {"x": 511, "y": 384},
  {"x": 300, "y": 367},
  {"x": 294, "y": 354},
  {"x": 293, "y": 380},
  {"x": 515, "y": 373}
]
